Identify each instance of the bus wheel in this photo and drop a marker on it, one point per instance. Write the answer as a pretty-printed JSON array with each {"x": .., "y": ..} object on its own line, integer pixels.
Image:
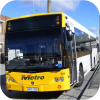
[
  {"x": 94, "y": 65},
  {"x": 81, "y": 77},
  {"x": 94, "y": 62}
]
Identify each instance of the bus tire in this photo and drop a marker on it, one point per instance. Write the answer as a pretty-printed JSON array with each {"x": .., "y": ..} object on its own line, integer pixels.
[
  {"x": 94, "y": 65},
  {"x": 94, "y": 62},
  {"x": 81, "y": 76}
]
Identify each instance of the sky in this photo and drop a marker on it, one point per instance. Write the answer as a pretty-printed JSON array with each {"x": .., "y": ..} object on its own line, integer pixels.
[{"x": 84, "y": 12}]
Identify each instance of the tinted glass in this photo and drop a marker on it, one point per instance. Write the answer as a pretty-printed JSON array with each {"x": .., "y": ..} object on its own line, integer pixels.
[
  {"x": 42, "y": 47},
  {"x": 35, "y": 22}
]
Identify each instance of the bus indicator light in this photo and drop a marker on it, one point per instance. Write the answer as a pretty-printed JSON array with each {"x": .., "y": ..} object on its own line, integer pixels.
[
  {"x": 68, "y": 76},
  {"x": 57, "y": 19},
  {"x": 9, "y": 28},
  {"x": 8, "y": 24},
  {"x": 9, "y": 86},
  {"x": 58, "y": 23},
  {"x": 59, "y": 86}
]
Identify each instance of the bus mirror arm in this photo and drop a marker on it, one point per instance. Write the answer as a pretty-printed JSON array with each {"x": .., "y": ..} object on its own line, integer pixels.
[{"x": 69, "y": 35}]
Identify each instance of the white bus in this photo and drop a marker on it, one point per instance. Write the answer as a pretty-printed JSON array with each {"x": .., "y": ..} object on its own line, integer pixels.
[
  {"x": 83, "y": 49},
  {"x": 47, "y": 52}
]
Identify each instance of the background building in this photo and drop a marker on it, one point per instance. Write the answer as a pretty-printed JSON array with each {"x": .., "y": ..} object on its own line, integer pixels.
[{"x": 2, "y": 28}]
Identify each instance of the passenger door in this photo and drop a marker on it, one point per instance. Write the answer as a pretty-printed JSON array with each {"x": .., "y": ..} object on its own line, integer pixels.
[{"x": 72, "y": 57}]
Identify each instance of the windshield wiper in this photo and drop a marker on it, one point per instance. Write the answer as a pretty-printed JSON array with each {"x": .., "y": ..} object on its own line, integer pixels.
[
  {"x": 16, "y": 68},
  {"x": 46, "y": 68}
]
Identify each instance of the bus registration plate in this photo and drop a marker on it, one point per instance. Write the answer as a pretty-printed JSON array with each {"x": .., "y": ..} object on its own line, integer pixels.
[{"x": 31, "y": 89}]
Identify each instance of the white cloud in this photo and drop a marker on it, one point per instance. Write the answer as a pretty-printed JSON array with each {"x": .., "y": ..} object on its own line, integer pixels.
[
  {"x": 93, "y": 29},
  {"x": 25, "y": 2},
  {"x": 63, "y": 5},
  {"x": 56, "y": 5}
]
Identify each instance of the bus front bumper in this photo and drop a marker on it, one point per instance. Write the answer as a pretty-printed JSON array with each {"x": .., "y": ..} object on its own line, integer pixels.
[{"x": 39, "y": 88}]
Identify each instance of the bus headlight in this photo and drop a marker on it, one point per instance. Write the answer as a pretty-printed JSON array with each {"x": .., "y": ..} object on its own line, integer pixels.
[
  {"x": 61, "y": 79},
  {"x": 12, "y": 80},
  {"x": 8, "y": 79},
  {"x": 56, "y": 79}
]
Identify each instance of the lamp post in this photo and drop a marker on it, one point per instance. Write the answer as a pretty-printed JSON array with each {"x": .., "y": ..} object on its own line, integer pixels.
[{"x": 49, "y": 6}]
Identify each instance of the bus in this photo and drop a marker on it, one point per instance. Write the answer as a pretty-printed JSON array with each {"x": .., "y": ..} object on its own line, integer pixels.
[
  {"x": 47, "y": 52},
  {"x": 98, "y": 52}
]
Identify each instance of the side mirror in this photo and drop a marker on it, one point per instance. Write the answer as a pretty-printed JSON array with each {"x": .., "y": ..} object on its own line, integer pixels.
[
  {"x": 69, "y": 35},
  {"x": 2, "y": 58}
]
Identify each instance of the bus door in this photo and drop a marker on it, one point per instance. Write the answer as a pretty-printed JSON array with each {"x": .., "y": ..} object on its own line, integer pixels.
[{"x": 72, "y": 60}]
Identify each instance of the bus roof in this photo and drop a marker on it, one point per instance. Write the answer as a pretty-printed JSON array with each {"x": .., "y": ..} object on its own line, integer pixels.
[
  {"x": 76, "y": 24},
  {"x": 40, "y": 14},
  {"x": 79, "y": 26}
]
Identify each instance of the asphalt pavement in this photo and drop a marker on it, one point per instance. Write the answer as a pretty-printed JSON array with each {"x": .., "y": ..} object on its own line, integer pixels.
[
  {"x": 93, "y": 87},
  {"x": 92, "y": 90}
]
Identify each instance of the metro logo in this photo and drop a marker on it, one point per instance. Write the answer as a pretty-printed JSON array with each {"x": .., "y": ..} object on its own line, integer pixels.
[{"x": 29, "y": 77}]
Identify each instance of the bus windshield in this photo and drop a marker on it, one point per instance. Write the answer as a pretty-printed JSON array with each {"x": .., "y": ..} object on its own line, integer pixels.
[{"x": 41, "y": 48}]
